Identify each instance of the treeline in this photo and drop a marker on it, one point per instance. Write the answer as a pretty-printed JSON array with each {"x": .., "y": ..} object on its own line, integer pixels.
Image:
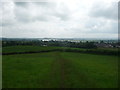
[{"x": 86, "y": 44}]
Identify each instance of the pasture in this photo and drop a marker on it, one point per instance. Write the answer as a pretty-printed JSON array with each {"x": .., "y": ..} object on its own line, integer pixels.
[{"x": 59, "y": 70}]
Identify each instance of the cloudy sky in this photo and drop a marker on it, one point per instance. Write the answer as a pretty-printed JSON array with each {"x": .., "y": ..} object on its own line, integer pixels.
[{"x": 59, "y": 19}]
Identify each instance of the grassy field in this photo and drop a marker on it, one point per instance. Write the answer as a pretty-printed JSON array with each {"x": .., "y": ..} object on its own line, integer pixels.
[
  {"x": 27, "y": 49},
  {"x": 19, "y": 48},
  {"x": 0, "y": 71},
  {"x": 10, "y": 49},
  {"x": 59, "y": 70}
]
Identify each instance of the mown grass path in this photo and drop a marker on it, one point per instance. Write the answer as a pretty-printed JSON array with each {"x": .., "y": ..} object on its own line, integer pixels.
[
  {"x": 70, "y": 76},
  {"x": 62, "y": 63}
]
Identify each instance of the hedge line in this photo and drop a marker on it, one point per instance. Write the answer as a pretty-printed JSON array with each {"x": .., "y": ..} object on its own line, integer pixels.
[{"x": 91, "y": 51}]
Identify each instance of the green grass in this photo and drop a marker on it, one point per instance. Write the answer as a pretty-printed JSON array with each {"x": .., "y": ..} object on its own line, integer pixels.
[
  {"x": 10, "y": 49},
  {"x": 60, "y": 69},
  {"x": 26, "y": 48},
  {"x": 15, "y": 49},
  {"x": 32, "y": 70},
  {"x": 0, "y": 71},
  {"x": 96, "y": 70}
]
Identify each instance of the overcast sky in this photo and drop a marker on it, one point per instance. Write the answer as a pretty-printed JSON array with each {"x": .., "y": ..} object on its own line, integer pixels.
[{"x": 60, "y": 19}]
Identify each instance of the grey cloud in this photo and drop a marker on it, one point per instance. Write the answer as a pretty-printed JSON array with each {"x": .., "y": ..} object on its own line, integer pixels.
[
  {"x": 63, "y": 16},
  {"x": 5, "y": 24},
  {"x": 7, "y": 14},
  {"x": 44, "y": 11},
  {"x": 64, "y": 13},
  {"x": 98, "y": 25},
  {"x": 45, "y": 4},
  {"x": 22, "y": 4},
  {"x": 25, "y": 16},
  {"x": 42, "y": 18},
  {"x": 35, "y": 19},
  {"x": 105, "y": 11},
  {"x": 22, "y": 15}
]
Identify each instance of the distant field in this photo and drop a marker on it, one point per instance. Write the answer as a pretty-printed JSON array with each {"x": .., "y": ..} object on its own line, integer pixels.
[
  {"x": 25, "y": 48},
  {"x": 16, "y": 49},
  {"x": 59, "y": 70}
]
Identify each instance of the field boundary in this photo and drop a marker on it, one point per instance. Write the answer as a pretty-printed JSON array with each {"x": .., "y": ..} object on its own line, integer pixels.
[{"x": 67, "y": 50}]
